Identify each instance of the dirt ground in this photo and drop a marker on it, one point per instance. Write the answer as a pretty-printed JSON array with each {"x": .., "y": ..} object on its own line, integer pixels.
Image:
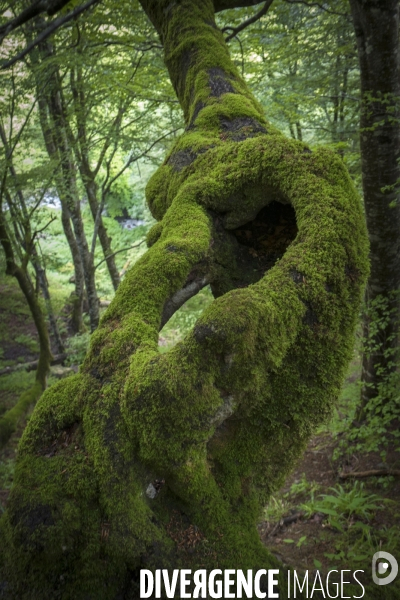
[{"x": 310, "y": 542}]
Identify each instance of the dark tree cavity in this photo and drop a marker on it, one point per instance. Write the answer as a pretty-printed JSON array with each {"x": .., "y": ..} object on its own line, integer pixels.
[{"x": 121, "y": 462}]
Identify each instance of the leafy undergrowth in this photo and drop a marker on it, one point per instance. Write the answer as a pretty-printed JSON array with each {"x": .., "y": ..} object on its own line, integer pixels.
[
  {"x": 330, "y": 515},
  {"x": 18, "y": 345}
]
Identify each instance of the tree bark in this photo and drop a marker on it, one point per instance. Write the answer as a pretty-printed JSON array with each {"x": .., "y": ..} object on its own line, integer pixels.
[
  {"x": 77, "y": 298},
  {"x": 376, "y": 25},
  {"x": 9, "y": 421},
  {"x": 32, "y": 250},
  {"x": 123, "y": 462},
  {"x": 69, "y": 192},
  {"x": 88, "y": 176},
  {"x": 77, "y": 303},
  {"x": 54, "y": 126},
  {"x": 91, "y": 191}
]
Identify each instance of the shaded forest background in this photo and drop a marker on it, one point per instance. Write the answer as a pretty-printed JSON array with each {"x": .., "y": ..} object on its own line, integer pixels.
[{"x": 85, "y": 119}]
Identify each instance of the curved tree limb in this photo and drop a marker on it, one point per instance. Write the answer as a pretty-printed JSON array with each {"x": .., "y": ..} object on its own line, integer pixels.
[{"x": 318, "y": 5}]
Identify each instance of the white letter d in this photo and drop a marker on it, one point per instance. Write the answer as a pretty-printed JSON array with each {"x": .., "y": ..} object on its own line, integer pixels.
[{"x": 146, "y": 574}]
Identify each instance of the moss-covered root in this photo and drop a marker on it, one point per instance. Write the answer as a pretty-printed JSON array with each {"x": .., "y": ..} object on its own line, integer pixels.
[{"x": 10, "y": 420}]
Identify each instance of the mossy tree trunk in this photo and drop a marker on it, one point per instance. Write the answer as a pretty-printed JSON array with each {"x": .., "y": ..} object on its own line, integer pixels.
[
  {"x": 149, "y": 460},
  {"x": 376, "y": 26}
]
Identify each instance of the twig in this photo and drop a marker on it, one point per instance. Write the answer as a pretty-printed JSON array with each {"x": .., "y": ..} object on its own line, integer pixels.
[
  {"x": 117, "y": 252},
  {"x": 132, "y": 158},
  {"x": 181, "y": 296},
  {"x": 38, "y": 231},
  {"x": 253, "y": 19},
  {"x": 286, "y": 521},
  {"x": 35, "y": 9},
  {"x": 318, "y": 5},
  {"x": 371, "y": 473}
]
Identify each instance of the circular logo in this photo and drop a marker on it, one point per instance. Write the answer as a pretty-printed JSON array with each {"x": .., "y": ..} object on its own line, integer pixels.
[{"x": 380, "y": 568}]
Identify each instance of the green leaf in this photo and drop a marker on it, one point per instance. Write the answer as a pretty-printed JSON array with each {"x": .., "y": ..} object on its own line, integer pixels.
[{"x": 317, "y": 563}]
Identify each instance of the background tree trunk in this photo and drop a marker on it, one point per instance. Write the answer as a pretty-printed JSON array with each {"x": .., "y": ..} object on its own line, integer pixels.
[
  {"x": 88, "y": 175},
  {"x": 376, "y": 26},
  {"x": 77, "y": 301},
  {"x": 54, "y": 126},
  {"x": 9, "y": 421}
]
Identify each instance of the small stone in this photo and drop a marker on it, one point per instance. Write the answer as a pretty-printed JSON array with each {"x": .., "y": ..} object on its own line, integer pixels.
[{"x": 151, "y": 491}]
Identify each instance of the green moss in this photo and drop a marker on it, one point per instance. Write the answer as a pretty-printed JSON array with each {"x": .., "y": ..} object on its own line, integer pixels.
[
  {"x": 9, "y": 421},
  {"x": 223, "y": 416}
]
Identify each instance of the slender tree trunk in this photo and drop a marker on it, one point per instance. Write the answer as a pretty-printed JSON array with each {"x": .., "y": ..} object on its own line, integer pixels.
[
  {"x": 376, "y": 24},
  {"x": 9, "y": 421},
  {"x": 44, "y": 286},
  {"x": 88, "y": 175},
  {"x": 57, "y": 143},
  {"x": 91, "y": 191},
  {"x": 77, "y": 300},
  {"x": 70, "y": 194},
  {"x": 32, "y": 250},
  {"x": 140, "y": 449},
  {"x": 78, "y": 296}
]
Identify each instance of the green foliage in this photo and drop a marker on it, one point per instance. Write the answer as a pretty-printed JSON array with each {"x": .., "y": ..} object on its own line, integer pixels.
[
  {"x": 302, "y": 487},
  {"x": 76, "y": 348},
  {"x": 7, "y": 468},
  {"x": 17, "y": 381},
  {"x": 276, "y": 509},
  {"x": 300, "y": 62},
  {"x": 359, "y": 542},
  {"x": 184, "y": 319},
  {"x": 379, "y": 417},
  {"x": 344, "y": 506},
  {"x": 28, "y": 341}
]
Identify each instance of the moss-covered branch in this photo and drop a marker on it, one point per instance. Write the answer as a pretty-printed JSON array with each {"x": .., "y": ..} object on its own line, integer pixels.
[{"x": 120, "y": 460}]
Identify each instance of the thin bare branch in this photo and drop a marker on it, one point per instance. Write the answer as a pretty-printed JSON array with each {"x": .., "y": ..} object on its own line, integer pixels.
[
  {"x": 52, "y": 27},
  {"x": 118, "y": 251},
  {"x": 318, "y": 5},
  {"x": 253, "y": 19},
  {"x": 133, "y": 159},
  {"x": 370, "y": 473},
  {"x": 36, "y": 8}
]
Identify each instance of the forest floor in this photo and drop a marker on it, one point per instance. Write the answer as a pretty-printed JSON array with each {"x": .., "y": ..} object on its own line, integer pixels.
[{"x": 322, "y": 518}]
